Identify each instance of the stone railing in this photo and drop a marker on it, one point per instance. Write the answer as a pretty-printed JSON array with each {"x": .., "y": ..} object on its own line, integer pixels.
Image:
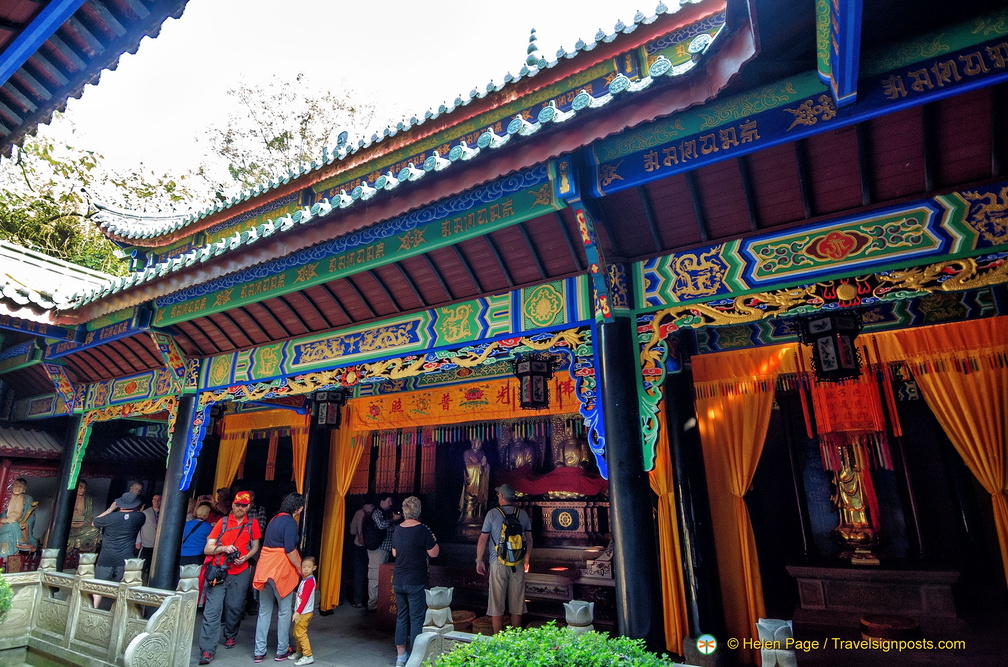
[{"x": 53, "y": 615}]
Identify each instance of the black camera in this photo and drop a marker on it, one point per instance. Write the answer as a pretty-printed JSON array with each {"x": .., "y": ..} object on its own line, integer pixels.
[{"x": 231, "y": 557}]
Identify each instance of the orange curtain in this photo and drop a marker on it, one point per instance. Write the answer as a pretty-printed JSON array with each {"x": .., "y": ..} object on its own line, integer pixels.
[
  {"x": 299, "y": 445},
  {"x": 345, "y": 450},
  {"x": 669, "y": 553},
  {"x": 234, "y": 441},
  {"x": 735, "y": 394},
  {"x": 962, "y": 372}
]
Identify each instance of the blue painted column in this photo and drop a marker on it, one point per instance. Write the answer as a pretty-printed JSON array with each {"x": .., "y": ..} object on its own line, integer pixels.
[
  {"x": 635, "y": 556},
  {"x": 164, "y": 563},
  {"x": 63, "y": 503}
]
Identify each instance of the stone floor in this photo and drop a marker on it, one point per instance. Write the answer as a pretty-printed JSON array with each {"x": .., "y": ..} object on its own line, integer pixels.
[{"x": 348, "y": 637}]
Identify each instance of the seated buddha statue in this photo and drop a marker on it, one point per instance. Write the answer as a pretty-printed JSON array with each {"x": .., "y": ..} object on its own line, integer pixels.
[
  {"x": 572, "y": 452},
  {"x": 519, "y": 454}
]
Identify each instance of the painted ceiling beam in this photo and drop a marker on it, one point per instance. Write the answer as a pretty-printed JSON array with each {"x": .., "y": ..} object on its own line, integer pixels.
[
  {"x": 138, "y": 324},
  {"x": 36, "y": 328},
  {"x": 20, "y": 356},
  {"x": 31, "y": 39},
  {"x": 838, "y": 41}
]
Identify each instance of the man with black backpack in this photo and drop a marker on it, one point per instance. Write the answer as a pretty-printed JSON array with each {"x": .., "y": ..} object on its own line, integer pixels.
[
  {"x": 509, "y": 530},
  {"x": 360, "y": 557}
]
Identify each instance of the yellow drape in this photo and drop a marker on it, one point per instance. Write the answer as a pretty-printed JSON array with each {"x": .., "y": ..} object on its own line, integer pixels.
[
  {"x": 345, "y": 452},
  {"x": 669, "y": 553},
  {"x": 962, "y": 372},
  {"x": 299, "y": 445},
  {"x": 234, "y": 441},
  {"x": 735, "y": 393}
]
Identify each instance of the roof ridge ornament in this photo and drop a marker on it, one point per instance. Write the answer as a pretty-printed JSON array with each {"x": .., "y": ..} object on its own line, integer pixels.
[{"x": 533, "y": 57}]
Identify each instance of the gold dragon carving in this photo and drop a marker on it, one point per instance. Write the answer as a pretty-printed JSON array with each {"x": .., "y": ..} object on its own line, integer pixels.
[
  {"x": 959, "y": 275},
  {"x": 389, "y": 369}
]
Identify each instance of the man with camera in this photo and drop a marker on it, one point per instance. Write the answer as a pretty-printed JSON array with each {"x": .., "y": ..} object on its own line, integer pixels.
[
  {"x": 232, "y": 542},
  {"x": 384, "y": 520}
]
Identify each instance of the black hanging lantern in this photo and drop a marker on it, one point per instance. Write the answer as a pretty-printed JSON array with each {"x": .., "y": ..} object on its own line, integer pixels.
[
  {"x": 329, "y": 407},
  {"x": 831, "y": 336},
  {"x": 533, "y": 371}
]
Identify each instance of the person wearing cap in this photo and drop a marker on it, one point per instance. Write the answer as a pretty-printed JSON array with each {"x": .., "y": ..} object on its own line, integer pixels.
[
  {"x": 506, "y": 584},
  {"x": 233, "y": 534},
  {"x": 120, "y": 524}
]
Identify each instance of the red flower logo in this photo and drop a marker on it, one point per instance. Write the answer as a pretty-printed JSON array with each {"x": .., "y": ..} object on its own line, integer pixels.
[{"x": 837, "y": 245}]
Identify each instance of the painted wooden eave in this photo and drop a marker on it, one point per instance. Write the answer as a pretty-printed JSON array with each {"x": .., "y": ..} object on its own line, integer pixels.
[
  {"x": 625, "y": 37},
  {"x": 703, "y": 84}
]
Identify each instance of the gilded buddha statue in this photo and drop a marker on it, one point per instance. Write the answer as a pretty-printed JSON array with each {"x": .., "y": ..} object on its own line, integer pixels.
[
  {"x": 475, "y": 485},
  {"x": 83, "y": 535},
  {"x": 857, "y": 529},
  {"x": 521, "y": 454},
  {"x": 572, "y": 452}
]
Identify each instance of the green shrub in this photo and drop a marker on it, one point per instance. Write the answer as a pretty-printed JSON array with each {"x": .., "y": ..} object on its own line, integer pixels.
[
  {"x": 6, "y": 596},
  {"x": 550, "y": 646}
]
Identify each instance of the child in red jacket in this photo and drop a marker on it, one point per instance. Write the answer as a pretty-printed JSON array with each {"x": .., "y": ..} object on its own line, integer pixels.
[{"x": 304, "y": 605}]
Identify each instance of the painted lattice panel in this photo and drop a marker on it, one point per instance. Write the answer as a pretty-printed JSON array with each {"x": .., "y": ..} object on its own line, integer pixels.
[
  {"x": 407, "y": 461},
  {"x": 428, "y": 460},
  {"x": 385, "y": 466},
  {"x": 359, "y": 484}
]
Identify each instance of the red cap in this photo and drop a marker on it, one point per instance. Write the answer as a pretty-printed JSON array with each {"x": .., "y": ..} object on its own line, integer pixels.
[{"x": 242, "y": 498}]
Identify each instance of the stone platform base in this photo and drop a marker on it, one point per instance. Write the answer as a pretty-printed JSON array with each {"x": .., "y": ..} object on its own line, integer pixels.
[{"x": 840, "y": 597}]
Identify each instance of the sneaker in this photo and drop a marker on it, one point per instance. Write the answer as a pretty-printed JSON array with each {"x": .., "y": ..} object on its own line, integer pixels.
[
  {"x": 400, "y": 660},
  {"x": 206, "y": 657},
  {"x": 304, "y": 660},
  {"x": 230, "y": 642},
  {"x": 259, "y": 658},
  {"x": 282, "y": 657},
  {"x": 293, "y": 656}
]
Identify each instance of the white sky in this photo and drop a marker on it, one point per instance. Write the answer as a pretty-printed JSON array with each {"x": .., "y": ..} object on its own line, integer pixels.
[{"x": 408, "y": 55}]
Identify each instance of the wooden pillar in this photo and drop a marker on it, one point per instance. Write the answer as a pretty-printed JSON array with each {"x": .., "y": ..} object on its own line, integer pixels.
[
  {"x": 317, "y": 477},
  {"x": 164, "y": 562},
  {"x": 696, "y": 530},
  {"x": 63, "y": 503},
  {"x": 635, "y": 560}
]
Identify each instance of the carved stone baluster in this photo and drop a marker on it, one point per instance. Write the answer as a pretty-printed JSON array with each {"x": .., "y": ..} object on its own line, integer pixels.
[
  {"x": 437, "y": 623},
  {"x": 123, "y": 610},
  {"x": 580, "y": 615},
  {"x": 86, "y": 565},
  {"x": 49, "y": 558}
]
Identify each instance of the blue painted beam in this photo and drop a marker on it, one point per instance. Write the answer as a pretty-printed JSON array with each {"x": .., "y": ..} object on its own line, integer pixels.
[
  {"x": 35, "y": 328},
  {"x": 35, "y": 35},
  {"x": 844, "y": 49},
  {"x": 87, "y": 339},
  {"x": 804, "y": 108}
]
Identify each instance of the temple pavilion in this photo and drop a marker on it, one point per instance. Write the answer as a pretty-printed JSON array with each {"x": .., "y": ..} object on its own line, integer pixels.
[{"x": 721, "y": 292}]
